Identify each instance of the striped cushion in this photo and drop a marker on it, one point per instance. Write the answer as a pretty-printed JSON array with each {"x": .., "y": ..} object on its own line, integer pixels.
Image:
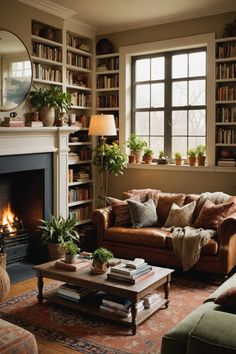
[{"x": 121, "y": 211}]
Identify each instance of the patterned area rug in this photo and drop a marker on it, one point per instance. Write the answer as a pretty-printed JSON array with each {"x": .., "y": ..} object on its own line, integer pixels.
[{"x": 88, "y": 334}]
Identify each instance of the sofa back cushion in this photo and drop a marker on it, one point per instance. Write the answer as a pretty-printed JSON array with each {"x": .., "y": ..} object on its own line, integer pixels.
[
  {"x": 180, "y": 216},
  {"x": 120, "y": 210},
  {"x": 143, "y": 194},
  {"x": 164, "y": 204},
  {"x": 142, "y": 214}
]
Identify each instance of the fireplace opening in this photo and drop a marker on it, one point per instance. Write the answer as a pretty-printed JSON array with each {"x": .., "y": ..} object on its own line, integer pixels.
[{"x": 25, "y": 197}]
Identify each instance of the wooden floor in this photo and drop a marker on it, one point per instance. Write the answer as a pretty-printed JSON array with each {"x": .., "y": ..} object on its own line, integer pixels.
[{"x": 45, "y": 346}]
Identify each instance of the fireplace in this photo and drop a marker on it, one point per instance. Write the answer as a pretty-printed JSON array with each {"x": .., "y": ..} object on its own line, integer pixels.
[{"x": 26, "y": 186}]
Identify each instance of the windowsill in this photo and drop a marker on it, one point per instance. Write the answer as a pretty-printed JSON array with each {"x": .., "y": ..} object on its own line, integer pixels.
[{"x": 173, "y": 167}]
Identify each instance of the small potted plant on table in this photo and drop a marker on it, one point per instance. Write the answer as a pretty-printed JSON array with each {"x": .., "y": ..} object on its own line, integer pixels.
[
  {"x": 71, "y": 251},
  {"x": 148, "y": 155},
  {"x": 136, "y": 145},
  {"x": 100, "y": 257}
]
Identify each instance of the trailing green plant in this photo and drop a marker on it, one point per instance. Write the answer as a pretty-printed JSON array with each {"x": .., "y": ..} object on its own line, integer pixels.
[
  {"x": 192, "y": 152},
  {"x": 178, "y": 155},
  {"x": 148, "y": 152},
  {"x": 58, "y": 230},
  {"x": 102, "y": 255},
  {"x": 135, "y": 144},
  {"x": 69, "y": 247},
  {"x": 201, "y": 150}
]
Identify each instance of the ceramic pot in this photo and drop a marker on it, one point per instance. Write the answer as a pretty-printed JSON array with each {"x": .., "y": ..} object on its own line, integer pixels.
[
  {"x": 147, "y": 158},
  {"x": 201, "y": 160},
  {"x": 47, "y": 116},
  {"x": 71, "y": 258},
  {"x": 138, "y": 156},
  {"x": 192, "y": 161},
  {"x": 54, "y": 251},
  {"x": 178, "y": 161}
]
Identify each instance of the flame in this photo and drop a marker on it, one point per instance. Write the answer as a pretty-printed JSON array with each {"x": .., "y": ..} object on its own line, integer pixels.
[{"x": 8, "y": 218}]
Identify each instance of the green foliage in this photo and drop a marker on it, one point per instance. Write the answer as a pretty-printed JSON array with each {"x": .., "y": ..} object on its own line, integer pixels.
[
  {"x": 201, "y": 150},
  {"x": 102, "y": 254},
  {"x": 178, "y": 155},
  {"x": 135, "y": 144},
  {"x": 192, "y": 152},
  {"x": 110, "y": 158},
  {"x": 161, "y": 154},
  {"x": 58, "y": 230},
  {"x": 69, "y": 247},
  {"x": 55, "y": 97},
  {"x": 148, "y": 151}
]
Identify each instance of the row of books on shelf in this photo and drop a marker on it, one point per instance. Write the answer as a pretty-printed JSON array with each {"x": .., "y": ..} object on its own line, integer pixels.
[
  {"x": 108, "y": 64},
  {"x": 80, "y": 193},
  {"x": 78, "y": 60},
  {"x": 226, "y": 136},
  {"x": 46, "y": 52},
  {"x": 81, "y": 213},
  {"x": 83, "y": 99},
  {"x": 81, "y": 155},
  {"x": 226, "y": 71},
  {"x": 226, "y": 93},
  {"x": 226, "y": 51},
  {"x": 79, "y": 176},
  {"x": 130, "y": 272},
  {"x": 226, "y": 162},
  {"x": 109, "y": 100},
  {"x": 226, "y": 114},
  {"x": 46, "y": 73},
  {"x": 105, "y": 81},
  {"x": 77, "y": 43}
]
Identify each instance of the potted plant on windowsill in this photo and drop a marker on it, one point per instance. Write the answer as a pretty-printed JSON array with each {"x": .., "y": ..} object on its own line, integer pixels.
[
  {"x": 178, "y": 158},
  {"x": 192, "y": 156},
  {"x": 148, "y": 155},
  {"x": 100, "y": 258},
  {"x": 55, "y": 231},
  {"x": 71, "y": 251},
  {"x": 136, "y": 145},
  {"x": 201, "y": 155},
  {"x": 162, "y": 159}
]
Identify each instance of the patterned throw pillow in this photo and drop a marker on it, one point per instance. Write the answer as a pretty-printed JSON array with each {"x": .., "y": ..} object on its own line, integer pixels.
[
  {"x": 212, "y": 215},
  {"x": 180, "y": 216},
  {"x": 121, "y": 211},
  {"x": 227, "y": 299},
  {"x": 142, "y": 214}
]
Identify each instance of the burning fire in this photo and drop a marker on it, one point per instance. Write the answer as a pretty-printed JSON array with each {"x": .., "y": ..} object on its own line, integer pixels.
[{"x": 8, "y": 219}]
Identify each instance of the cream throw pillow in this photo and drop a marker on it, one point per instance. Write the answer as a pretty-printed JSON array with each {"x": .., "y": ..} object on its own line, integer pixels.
[{"x": 180, "y": 216}]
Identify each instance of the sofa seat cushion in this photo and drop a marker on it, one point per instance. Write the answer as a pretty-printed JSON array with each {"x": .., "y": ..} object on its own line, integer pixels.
[
  {"x": 147, "y": 236},
  {"x": 211, "y": 248}
]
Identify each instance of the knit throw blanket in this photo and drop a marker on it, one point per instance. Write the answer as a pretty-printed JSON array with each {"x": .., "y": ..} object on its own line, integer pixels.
[{"x": 188, "y": 242}]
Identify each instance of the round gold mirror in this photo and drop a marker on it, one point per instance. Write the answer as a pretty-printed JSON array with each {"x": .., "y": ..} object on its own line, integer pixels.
[{"x": 15, "y": 71}]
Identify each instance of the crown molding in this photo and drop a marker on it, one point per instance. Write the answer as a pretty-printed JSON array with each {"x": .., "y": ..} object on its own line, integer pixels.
[
  {"x": 168, "y": 19},
  {"x": 50, "y": 7},
  {"x": 84, "y": 29}
]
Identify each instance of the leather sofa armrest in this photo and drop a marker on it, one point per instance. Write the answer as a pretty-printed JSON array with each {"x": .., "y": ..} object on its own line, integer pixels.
[
  {"x": 226, "y": 230},
  {"x": 102, "y": 219}
]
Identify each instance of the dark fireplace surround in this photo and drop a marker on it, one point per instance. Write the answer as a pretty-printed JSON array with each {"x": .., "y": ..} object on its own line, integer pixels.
[{"x": 26, "y": 183}]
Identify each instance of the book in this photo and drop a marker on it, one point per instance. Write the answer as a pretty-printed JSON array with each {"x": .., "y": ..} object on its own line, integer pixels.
[
  {"x": 34, "y": 124},
  {"x": 130, "y": 281},
  {"x": 72, "y": 291},
  {"x": 79, "y": 265},
  {"x": 135, "y": 275},
  {"x": 117, "y": 302},
  {"x": 123, "y": 269},
  {"x": 149, "y": 299},
  {"x": 136, "y": 263},
  {"x": 104, "y": 308}
]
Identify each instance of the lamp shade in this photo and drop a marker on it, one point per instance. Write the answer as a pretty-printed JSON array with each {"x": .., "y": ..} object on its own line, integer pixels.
[{"x": 102, "y": 124}]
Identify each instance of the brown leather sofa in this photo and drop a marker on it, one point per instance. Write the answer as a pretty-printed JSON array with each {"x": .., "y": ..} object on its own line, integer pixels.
[{"x": 155, "y": 245}]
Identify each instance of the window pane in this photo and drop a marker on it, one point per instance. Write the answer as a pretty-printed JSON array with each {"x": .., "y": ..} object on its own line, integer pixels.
[
  {"x": 142, "y": 123},
  {"x": 179, "y": 66},
  {"x": 158, "y": 68},
  {"x": 197, "y": 92},
  {"x": 197, "y": 64},
  {"x": 142, "y": 96},
  {"x": 179, "y": 123},
  {"x": 142, "y": 72},
  {"x": 157, "y": 123},
  {"x": 179, "y": 144},
  {"x": 194, "y": 141},
  {"x": 157, "y": 144},
  {"x": 157, "y": 95},
  {"x": 197, "y": 122},
  {"x": 179, "y": 93}
]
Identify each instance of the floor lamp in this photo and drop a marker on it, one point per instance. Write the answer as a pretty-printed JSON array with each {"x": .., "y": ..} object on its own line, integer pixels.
[{"x": 102, "y": 125}]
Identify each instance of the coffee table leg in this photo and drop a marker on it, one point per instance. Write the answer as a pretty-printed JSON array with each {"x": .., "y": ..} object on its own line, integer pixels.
[
  {"x": 134, "y": 318},
  {"x": 40, "y": 288},
  {"x": 167, "y": 290}
]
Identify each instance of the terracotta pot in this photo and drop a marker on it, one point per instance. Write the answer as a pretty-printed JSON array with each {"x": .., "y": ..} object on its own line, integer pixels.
[
  {"x": 47, "y": 116},
  {"x": 201, "y": 160},
  {"x": 4, "y": 284},
  {"x": 132, "y": 159},
  {"x": 178, "y": 161},
  {"x": 71, "y": 258},
  {"x": 192, "y": 161},
  {"x": 54, "y": 252},
  {"x": 147, "y": 158}
]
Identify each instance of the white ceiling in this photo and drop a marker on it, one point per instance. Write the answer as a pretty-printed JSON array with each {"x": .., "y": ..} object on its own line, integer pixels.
[{"x": 117, "y": 15}]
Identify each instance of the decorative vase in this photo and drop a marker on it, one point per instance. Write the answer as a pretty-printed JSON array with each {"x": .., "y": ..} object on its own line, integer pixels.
[
  {"x": 192, "y": 161},
  {"x": 71, "y": 258},
  {"x": 138, "y": 156},
  {"x": 47, "y": 116},
  {"x": 54, "y": 252},
  {"x": 201, "y": 160},
  {"x": 4, "y": 284},
  {"x": 98, "y": 267}
]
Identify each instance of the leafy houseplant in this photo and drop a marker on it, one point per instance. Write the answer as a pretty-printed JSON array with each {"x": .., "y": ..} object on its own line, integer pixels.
[
  {"x": 136, "y": 145},
  {"x": 178, "y": 158},
  {"x": 192, "y": 156},
  {"x": 100, "y": 257},
  {"x": 201, "y": 155},
  {"x": 148, "y": 155},
  {"x": 110, "y": 159},
  {"x": 71, "y": 251},
  {"x": 56, "y": 231},
  {"x": 162, "y": 159}
]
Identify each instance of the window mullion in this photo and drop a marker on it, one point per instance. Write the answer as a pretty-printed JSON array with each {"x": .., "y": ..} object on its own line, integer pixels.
[{"x": 167, "y": 110}]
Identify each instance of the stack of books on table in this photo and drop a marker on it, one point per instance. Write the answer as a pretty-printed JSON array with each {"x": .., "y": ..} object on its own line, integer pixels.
[
  {"x": 130, "y": 272},
  {"x": 119, "y": 306},
  {"x": 72, "y": 292},
  {"x": 74, "y": 267},
  {"x": 226, "y": 162},
  {"x": 151, "y": 299}
]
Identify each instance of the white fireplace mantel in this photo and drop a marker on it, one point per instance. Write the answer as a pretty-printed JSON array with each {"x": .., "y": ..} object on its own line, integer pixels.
[{"x": 27, "y": 140}]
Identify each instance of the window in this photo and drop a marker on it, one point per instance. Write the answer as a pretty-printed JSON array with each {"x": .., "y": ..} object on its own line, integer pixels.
[
  {"x": 21, "y": 69},
  {"x": 169, "y": 100}
]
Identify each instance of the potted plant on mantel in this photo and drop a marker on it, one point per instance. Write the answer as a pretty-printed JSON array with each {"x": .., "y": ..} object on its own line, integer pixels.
[
  {"x": 100, "y": 257},
  {"x": 136, "y": 146},
  {"x": 58, "y": 230},
  {"x": 71, "y": 251}
]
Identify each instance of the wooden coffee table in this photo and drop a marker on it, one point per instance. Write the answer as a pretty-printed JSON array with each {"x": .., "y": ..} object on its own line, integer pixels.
[{"x": 85, "y": 278}]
